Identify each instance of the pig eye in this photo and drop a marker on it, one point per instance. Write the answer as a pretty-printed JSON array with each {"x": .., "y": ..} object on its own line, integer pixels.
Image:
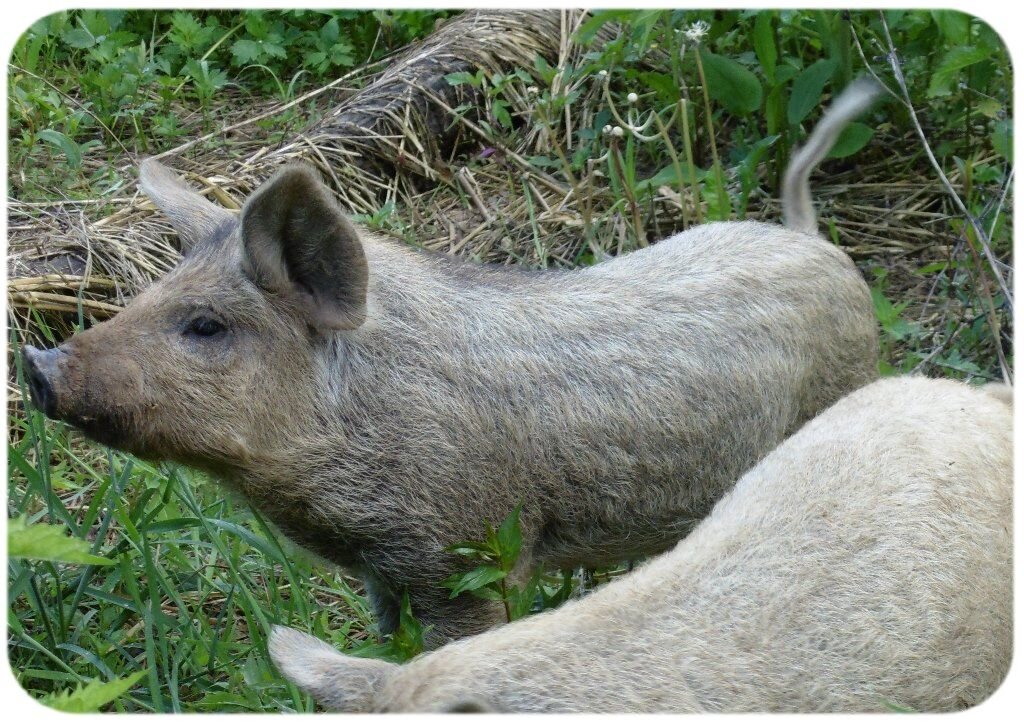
[{"x": 205, "y": 326}]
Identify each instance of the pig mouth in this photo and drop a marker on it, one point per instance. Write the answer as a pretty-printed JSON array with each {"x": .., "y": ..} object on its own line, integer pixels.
[
  {"x": 59, "y": 388},
  {"x": 111, "y": 427},
  {"x": 108, "y": 429}
]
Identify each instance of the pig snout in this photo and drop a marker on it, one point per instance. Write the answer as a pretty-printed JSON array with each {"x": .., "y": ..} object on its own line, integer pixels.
[{"x": 43, "y": 370}]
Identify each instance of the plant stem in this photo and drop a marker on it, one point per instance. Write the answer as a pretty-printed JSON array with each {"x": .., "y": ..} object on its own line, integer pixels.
[
  {"x": 723, "y": 198},
  {"x": 504, "y": 600},
  {"x": 688, "y": 147}
]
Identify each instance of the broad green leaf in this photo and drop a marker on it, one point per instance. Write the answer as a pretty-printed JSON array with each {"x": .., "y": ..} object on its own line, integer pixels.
[
  {"x": 1002, "y": 138},
  {"x": 663, "y": 84},
  {"x": 955, "y": 26},
  {"x": 666, "y": 176},
  {"x": 487, "y": 592},
  {"x": 592, "y": 26},
  {"x": 764, "y": 45},
  {"x": 808, "y": 88},
  {"x": 500, "y": 111},
  {"x": 71, "y": 150},
  {"x": 731, "y": 84},
  {"x": 402, "y": 645},
  {"x": 470, "y": 548},
  {"x": 785, "y": 73},
  {"x": 510, "y": 539},
  {"x": 544, "y": 70},
  {"x": 950, "y": 66},
  {"x": 329, "y": 32},
  {"x": 79, "y": 38},
  {"x": 91, "y": 697},
  {"x": 852, "y": 138},
  {"x": 990, "y": 107},
  {"x": 408, "y": 639},
  {"x": 41, "y": 541},
  {"x": 463, "y": 77},
  {"x": 474, "y": 579}
]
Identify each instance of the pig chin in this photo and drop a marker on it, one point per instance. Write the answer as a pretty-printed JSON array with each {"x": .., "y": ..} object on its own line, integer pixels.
[{"x": 111, "y": 428}]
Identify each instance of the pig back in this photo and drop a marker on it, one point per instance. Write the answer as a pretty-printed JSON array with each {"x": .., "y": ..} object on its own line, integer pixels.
[{"x": 617, "y": 402}]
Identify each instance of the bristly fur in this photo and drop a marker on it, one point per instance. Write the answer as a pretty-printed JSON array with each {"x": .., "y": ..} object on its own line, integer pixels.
[
  {"x": 379, "y": 404},
  {"x": 864, "y": 565}
]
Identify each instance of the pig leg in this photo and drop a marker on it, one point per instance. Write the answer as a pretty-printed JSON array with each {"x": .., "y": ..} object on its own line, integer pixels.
[
  {"x": 432, "y": 604},
  {"x": 385, "y": 605},
  {"x": 449, "y": 619}
]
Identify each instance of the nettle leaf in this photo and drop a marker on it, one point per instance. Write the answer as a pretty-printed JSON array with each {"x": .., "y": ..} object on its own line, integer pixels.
[
  {"x": 316, "y": 60},
  {"x": 475, "y": 579},
  {"x": 186, "y": 23},
  {"x": 343, "y": 54},
  {"x": 808, "y": 88},
  {"x": 273, "y": 48},
  {"x": 91, "y": 697},
  {"x": 510, "y": 538},
  {"x": 954, "y": 359},
  {"x": 852, "y": 138},
  {"x": 246, "y": 51},
  {"x": 41, "y": 541},
  {"x": 950, "y": 66},
  {"x": 888, "y": 315},
  {"x": 731, "y": 84}
]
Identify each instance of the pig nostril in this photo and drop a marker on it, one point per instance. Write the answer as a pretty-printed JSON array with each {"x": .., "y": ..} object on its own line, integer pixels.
[
  {"x": 40, "y": 390},
  {"x": 39, "y": 385}
]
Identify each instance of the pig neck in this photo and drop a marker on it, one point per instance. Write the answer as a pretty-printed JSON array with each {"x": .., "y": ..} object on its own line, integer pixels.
[{"x": 383, "y": 398}]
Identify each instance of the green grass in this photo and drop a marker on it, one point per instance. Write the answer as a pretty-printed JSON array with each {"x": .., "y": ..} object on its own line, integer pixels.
[
  {"x": 198, "y": 580},
  {"x": 197, "y": 576}
]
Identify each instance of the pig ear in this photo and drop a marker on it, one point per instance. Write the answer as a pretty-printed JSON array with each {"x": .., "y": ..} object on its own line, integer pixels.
[
  {"x": 338, "y": 682},
  {"x": 298, "y": 243},
  {"x": 193, "y": 217}
]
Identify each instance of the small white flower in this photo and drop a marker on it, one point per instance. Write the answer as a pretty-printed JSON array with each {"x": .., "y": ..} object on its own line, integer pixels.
[
  {"x": 533, "y": 90},
  {"x": 696, "y": 32},
  {"x": 632, "y": 98},
  {"x": 618, "y": 131},
  {"x": 602, "y": 73},
  {"x": 606, "y": 130}
]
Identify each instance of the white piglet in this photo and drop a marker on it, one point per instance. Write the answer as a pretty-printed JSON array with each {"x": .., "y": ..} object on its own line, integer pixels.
[{"x": 864, "y": 565}]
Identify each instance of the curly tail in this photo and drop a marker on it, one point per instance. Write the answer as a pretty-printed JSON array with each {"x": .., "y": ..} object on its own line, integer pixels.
[{"x": 797, "y": 210}]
